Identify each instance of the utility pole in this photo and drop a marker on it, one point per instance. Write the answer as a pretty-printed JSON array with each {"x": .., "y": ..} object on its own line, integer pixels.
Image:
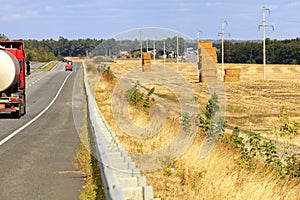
[
  {"x": 264, "y": 25},
  {"x": 154, "y": 50},
  {"x": 164, "y": 54},
  {"x": 177, "y": 53},
  {"x": 141, "y": 43},
  {"x": 223, "y": 34},
  {"x": 147, "y": 44},
  {"x": 198, "y": 39},
  {"x": 198, "y": 35}
]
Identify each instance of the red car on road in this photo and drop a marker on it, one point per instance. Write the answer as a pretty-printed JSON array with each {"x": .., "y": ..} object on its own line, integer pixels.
[{"x": 68, "y": 67}]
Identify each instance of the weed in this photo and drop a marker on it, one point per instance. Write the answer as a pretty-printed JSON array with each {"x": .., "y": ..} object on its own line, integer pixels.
[
  {"x": 286, "y": 127},
  {"x": 89, "y": 67},
  {"x": 254, "y": 141},
  {"x": 168, "y": 163},
  {"x": 292, "y": 167},
  {"x": 139, "y": 99},
  {"x": 271, "y": 157},
  {"x": 140, "y": 148},
  {"x": 185, "y": 122},
  {"x": 211, "y": 125},
  {"x": 268, "y": 151}
]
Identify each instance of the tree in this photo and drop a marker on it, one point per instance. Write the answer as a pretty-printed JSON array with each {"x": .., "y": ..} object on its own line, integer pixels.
[{"x": 3, "y": 37}]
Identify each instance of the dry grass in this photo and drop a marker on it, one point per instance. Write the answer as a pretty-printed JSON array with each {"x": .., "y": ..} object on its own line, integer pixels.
[
  {"x": 75, "y": 59},
  {"x": 218, "y": 177},
  {"x": 252, "y": 105}
]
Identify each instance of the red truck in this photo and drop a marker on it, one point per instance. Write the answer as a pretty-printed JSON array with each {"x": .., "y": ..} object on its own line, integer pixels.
[{"x": 12, "y": 78}]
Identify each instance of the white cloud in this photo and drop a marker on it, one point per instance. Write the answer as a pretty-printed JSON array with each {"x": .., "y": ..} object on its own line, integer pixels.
[
  {"x": 76, "y": 6},
  {"x": 212, "y": 4},
  {"x": 18, "y": 16},
  {"x": 294, "y": 4}
]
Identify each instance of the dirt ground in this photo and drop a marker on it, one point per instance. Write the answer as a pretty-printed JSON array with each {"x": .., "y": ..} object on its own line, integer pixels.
[{"x": 251, "y": 104}]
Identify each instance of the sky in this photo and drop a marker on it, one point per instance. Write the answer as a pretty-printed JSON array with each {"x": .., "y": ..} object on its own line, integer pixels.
[{"x": 103, "y": 19}]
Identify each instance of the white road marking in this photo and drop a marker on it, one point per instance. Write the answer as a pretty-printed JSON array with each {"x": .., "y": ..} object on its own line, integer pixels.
[
  {"x": 32, "y": 83},
  {"x": 36, "y": 117}
]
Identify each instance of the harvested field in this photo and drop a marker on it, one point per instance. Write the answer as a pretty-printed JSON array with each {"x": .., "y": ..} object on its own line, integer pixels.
[{"x": 251, "y": 104}]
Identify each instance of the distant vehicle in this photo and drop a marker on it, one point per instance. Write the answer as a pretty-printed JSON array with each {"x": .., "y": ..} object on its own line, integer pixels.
[
  {"x": 70, "y": 62},
  {"x": 64, "y": 60},
  {"x": 68, "y": 67}
]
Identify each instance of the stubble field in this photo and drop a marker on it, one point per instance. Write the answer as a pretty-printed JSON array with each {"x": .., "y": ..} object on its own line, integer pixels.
[{"x": 252, "y": 104}]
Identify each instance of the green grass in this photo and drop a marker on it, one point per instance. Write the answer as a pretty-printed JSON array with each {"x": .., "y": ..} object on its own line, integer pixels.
[
  {"x": 47, "y": 68},
  {"x": 88, "y": 164}
]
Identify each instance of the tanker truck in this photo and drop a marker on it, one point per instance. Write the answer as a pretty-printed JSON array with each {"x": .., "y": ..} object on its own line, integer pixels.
[{"x": 12, "y": 78}]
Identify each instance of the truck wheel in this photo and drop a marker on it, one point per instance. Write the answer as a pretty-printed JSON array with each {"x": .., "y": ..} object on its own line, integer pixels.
[
  {"x": 16, "y": 114},
  {"x": 24, "y": 110},
  {"x": 23, "y": 106}
]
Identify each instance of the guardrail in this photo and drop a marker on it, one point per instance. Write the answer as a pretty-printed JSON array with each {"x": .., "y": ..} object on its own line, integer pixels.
[{"x": 120, "y": 176}]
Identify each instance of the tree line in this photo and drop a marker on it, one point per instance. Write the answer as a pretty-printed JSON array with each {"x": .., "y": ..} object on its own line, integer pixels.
[
  {"x": 277, "y": 51},
  {"x": 47, "y": 50}
]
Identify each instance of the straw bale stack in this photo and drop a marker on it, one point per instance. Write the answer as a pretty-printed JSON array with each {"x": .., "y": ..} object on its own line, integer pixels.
[
  {"x": 207, "y": 62},
  {"x": 204, "y": 44},
  {"x": 146, "y": 62},
  {"x": 208, "y": 75},
  {"x": 232, "y": 75}
]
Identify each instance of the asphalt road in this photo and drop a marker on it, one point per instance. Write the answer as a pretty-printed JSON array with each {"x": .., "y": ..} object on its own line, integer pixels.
[{"x": 37, "y": 162}]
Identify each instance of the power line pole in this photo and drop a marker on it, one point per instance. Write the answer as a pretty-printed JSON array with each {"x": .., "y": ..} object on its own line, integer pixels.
[
  {"x": 147, "y": 44},
  {"x": 223, "y": 34},
  {"x": 198, "y": 39},
  {"x": 264, "y": 25},
  {"x": 177, "y": 53},
  {"x": 154, "y": 50},
  {"x": 141, "y": 43},
  {"x": 198, "y": 35},
  {"x": 164, "y": 54}
]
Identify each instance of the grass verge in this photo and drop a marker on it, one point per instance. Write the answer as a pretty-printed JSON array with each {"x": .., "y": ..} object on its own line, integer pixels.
[
  {"x": 88, "y": 164},
  {"x": 47, "y": 68}
]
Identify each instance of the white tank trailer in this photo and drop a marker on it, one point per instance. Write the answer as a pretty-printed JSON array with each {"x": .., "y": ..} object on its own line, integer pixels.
[{"x": 9, "y": 70}]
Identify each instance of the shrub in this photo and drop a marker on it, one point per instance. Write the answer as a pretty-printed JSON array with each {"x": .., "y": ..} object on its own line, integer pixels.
[{"x": 211, "y": 125}]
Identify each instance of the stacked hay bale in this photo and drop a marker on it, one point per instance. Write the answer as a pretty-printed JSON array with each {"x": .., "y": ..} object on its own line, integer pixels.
[
  {"x": 206, "y": 47},
  {"x": 146, "y": 62},
  {"x": 232, "y": 75},
  {"x": 207, "y": 62}
]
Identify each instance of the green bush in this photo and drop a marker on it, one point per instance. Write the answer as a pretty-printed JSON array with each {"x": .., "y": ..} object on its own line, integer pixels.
[{"x": 210, "y": 125}]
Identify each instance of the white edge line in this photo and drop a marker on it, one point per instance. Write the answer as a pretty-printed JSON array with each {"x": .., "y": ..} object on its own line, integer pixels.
[{"x": 36, "y": 117}]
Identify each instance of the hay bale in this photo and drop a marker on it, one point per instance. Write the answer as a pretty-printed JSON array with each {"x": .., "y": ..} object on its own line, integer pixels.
[
  {"x": 208, "y": 75},
  {"x": 146, "y": 68},
  {"x": 205, "y": 62},
  {"x": 232, "y": 71},
  {"x": 210, "y": 71},
  {"x": 228, "y": 78},
  {"x": 210, "y": 51},
  {"x": 232, "y": 75},
  {"x": 146, "y": 62},
  {"x": 203, "y": 78},
  {"x": 146, "y": 56},
  {"x": 204, "y": 44}
]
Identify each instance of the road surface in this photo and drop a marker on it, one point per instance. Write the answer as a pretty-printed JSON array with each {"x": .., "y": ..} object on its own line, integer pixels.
[{"x": 36, "y": 163}]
